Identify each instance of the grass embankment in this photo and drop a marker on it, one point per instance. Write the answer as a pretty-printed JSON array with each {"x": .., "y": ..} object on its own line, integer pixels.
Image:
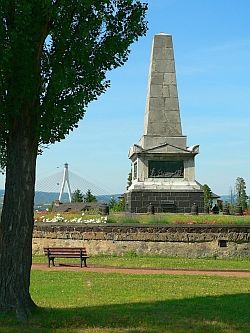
[
  {"x": 113, "y": 303},
  {"x": 121, "y": 218}
]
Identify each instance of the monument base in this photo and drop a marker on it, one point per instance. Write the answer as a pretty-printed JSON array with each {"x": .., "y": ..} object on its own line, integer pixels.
[{"x": 168, "y": 201}]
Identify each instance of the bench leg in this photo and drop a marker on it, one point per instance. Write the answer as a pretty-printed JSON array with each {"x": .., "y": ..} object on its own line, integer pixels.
[
  {"x": 51, "y": 259},
  {"x": 83, "y": 260}
]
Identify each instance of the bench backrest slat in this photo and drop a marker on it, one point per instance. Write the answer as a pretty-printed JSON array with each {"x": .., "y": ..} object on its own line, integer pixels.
[{"x": 65, "y": 251}]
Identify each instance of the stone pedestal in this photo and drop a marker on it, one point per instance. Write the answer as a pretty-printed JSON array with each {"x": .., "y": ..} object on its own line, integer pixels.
[
  {"x": 163, "y": 167},
  {"x": 164, "y": 201}
]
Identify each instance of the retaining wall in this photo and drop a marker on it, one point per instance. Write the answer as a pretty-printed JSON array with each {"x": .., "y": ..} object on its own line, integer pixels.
[{"x": 195, "y": 241}]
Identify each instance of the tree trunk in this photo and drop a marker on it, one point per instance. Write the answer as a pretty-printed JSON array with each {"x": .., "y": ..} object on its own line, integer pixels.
[{"x": 17, "y": 221}]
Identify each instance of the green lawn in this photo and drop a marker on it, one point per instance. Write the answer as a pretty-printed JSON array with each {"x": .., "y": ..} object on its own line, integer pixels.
[
  {"x": 97, "y": 302},
  {"x": 87, "y": 302},
  {"x": 157, "y": 261},
  {"x": 168, "y": 218}
]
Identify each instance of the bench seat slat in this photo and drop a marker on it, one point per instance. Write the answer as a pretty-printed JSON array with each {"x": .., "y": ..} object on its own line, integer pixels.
[
  {"x": 70, "y": 255},
  {"x": 66, "y": 252}
]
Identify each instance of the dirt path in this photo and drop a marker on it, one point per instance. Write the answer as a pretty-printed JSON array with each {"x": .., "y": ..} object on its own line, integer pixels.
[{"x": 93, "y": 268}]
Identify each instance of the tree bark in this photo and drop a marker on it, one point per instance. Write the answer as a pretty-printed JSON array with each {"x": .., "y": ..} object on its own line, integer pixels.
[{"x": 17, "y": 220}]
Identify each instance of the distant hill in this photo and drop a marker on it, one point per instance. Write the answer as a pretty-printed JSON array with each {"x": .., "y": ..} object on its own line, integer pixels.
[
  {"x": 44, "y": 199},
  {"x": 225, "y": 198}
]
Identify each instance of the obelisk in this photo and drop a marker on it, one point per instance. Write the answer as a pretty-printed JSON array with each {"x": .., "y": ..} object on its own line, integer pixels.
[
  {"x": 163, "y": 168},
  {"x": 162, "y": 113}
]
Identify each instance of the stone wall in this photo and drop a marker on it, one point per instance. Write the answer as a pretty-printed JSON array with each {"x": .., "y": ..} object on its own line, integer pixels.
[{"x": 195, "y": 241}]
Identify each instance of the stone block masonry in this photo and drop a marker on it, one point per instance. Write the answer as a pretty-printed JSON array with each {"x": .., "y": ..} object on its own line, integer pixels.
[
  {"x": 193, "y": 241},
  {"x": 164, "y": 201}
]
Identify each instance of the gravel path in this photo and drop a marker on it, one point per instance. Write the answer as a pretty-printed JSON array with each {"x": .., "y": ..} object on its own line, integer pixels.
[{"x": 127, "y": 270}]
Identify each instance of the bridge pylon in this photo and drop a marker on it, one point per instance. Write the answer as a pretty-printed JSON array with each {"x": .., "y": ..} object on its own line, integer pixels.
[{"x": 65, "y": 181}]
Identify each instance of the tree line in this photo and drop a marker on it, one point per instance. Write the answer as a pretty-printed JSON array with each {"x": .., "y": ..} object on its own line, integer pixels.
[
  {"x": 115, "y": 205},
  {"x": 237, "y": 196}
]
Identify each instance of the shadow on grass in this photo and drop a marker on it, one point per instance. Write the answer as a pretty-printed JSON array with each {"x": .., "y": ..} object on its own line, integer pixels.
[{"x": 227, "y": 313}]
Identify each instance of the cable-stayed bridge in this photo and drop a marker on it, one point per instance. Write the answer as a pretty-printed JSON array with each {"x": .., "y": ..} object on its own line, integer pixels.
[{"x": 61, "y": 186}]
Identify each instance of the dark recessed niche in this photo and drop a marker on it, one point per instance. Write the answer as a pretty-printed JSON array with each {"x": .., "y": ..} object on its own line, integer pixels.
[{"x": 222, "y": 243}]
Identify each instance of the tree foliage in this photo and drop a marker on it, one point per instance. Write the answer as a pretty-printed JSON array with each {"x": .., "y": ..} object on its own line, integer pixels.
[
  {"x": 117, "y": 205},
  {"x": 129, "y": 180},
  {"x": 240, "y": 191},
  {"x": 60, "y": 52},
  {"x": 77, "y": 196},
  {"x": 54, "y": 56},
  {"x": 112, "y": 202},
  {"x": 89, "y": 197},
  {"x": 51, "y": 206},
  {"x": 231, "y": 196},
  {"x": 208, "y": 196}
]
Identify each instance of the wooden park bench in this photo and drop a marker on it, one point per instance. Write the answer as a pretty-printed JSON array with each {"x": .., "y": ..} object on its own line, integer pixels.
[{"x": 66, "y": 252}]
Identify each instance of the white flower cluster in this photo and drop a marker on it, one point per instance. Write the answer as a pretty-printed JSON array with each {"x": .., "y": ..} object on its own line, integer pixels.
[{"x": 60, "y": 218}]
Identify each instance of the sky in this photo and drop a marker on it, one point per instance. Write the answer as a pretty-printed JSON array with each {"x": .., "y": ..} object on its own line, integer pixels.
[{"x": 211, "y": 40}]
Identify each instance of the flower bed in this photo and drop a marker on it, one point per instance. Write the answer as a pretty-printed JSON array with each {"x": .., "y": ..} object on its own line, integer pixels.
[{"x": 69, "y": 218}]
